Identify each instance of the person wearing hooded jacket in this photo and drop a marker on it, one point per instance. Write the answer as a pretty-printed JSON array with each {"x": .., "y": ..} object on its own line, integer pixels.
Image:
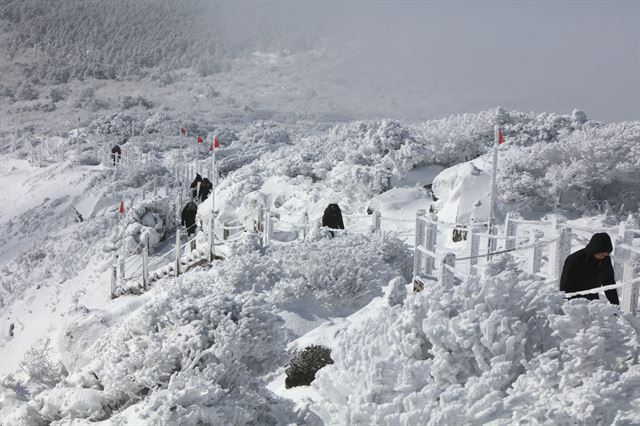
[
  {"x": 189, "y": 213},
  {"x": 205, "y": 189},
  {"x": 590, "y": 268},
  {"x": 193, "y": 188},
  {"x": 332, "y": 218}
]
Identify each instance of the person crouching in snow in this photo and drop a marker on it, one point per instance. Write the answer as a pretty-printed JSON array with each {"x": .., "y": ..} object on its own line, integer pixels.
[
  {"x": 332, "y": 218},
  {"x": 590, "y": 268}
]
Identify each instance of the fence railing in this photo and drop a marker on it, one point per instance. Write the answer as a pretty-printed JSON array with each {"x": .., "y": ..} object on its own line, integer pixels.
[{"x": 557, "y": 243}]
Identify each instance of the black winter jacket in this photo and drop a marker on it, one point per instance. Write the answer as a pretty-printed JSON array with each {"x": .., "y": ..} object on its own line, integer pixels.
[
  {"x": 582, "y": 271},
  {"x": 332, "y": 217},
  {"x": 205, "y": 189},
  {"x": 189, "y": 213}
]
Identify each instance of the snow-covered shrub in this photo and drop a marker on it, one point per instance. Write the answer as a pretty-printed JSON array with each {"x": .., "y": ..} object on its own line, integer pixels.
[
  {"x": 27, "y": 92},
  {"x": 582, "y": 168},
  {"x": 265, "y": 132},
  {"x": 39, "y": 367},
  {"x": 151, "y": 219},
  {"x": 198, "y": 349},
  {"x": 340, "y": 273},
  {"x": 57, "y": 95},
  {"x": 113, "y": 124},
  {"x": 396, "y": 291},
  {"x": 491, "y": 349},
  {"x": 127, "y": 102},
  {"x": 138, "y": 176},
  {"x": 588, "y": 377},
  {"x": 304, "y": 365}
]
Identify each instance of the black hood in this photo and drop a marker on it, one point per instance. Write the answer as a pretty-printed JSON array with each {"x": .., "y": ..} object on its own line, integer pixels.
[
  {"x": 198, "y": 178},
  {"x": 600, "y": 242}
]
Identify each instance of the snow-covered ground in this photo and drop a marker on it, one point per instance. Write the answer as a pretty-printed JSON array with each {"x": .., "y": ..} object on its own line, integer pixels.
[{"x": 211, "y": 346}]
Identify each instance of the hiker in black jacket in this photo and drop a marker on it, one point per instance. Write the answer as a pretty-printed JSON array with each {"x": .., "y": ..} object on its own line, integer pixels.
[
  {"x": 193, "y": 188},
  {"x": 189, "y": 213},
  {"x": 205, "y": 189},
  {"x": 332, "y": 218},
  {"x": 116, "y": 153},
  {"x": 590, "y": 268}
]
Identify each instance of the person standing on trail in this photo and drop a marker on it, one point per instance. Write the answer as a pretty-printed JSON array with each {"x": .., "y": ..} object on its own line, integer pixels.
[
  {"x": 116, "y": 153},
  {"x": 205, "y": 189},
  {"x": 193, "y": 188},
  {"x": 189, "y": 213},
  {"x": 590, "y": 268},
  {"x": 332, "y": 218}
]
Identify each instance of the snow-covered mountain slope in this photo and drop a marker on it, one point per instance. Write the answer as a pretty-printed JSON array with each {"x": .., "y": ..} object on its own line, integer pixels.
[{"x": 213, "y": 344}]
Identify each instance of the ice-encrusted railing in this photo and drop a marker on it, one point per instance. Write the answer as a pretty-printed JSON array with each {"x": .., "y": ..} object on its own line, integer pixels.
[{"x": 552, "y": 237}]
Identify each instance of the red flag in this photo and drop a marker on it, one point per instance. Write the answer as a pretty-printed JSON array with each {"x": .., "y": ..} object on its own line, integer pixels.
[
  {"x": 200, "y": 140},
  {"x": 214, "y": 144},
  {"x": 121, "y": 209},
  {"x": 183, "y": 131},
  {"x": 500, "y": 136}
]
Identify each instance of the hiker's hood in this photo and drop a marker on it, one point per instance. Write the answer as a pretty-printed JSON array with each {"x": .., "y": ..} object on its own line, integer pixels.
[{"x": 600, "y": 242}]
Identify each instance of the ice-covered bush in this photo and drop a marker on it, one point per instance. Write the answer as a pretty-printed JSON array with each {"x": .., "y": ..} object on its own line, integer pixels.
[
  {"x": 265, "y": 132},
  {"x": 27, "y": 92},
  {"x": 583, "y": 168},
  {"x": 340, "y": 273},
  {"x": 304, "y": 365},
  {"x": 151, "y": 219},
  {"x": 193, "y": 354},
  {"x": 502, "y": 348},
  {"x": 39, "y": 367},
  {"x": 127, "y": 102}
]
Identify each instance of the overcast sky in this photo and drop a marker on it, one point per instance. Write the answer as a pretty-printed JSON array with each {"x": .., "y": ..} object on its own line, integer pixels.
[{"x": 465, "y": 56}]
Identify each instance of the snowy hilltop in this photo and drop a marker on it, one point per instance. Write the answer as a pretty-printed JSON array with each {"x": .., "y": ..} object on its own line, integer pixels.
[
  {"x": 212, "y": 345},
  {"x": 275, "y": 312}
]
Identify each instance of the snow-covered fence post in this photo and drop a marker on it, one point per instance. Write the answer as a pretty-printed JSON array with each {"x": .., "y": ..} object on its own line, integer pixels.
[
  {"x": 630, "y": 292},
  {"x": 123, "y": 246},
  {"x": 446, "y": 276},
  {"x": 305, "y": 225},
  {"x": 155, "y": 186},
  {"x": 430, "y": 242},
  {"x": 178, "y": 209},
  {"x": 145, "y": 263},
  {"x": 177, "y": 262},
  {"x": 114, "y": 280},
  {"x": 535, "y": 254},
  {"x": 212, "y": 248},
  {"x": 267, "y": 233},
  {"x": 375, "y": 221},
  {"x": 559, "y": 251},
  {"x": 417, "y": 254},
  {"x": 473, "y": 246},
  {"x": 259, "y": 219},
  {"x": 623, "y": 237},
  {"x": 510, "y": 231},
  {"x": 144, "y": 192}
]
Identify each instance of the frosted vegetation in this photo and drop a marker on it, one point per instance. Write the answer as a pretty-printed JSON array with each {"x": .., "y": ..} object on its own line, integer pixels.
[
  {"x": 203, "y": 348},
  {"x": 123, "y": 39},
  {"x": 502, "y": 349}
]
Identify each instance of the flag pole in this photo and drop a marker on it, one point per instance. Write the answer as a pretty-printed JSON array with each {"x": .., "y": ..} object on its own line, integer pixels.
[
  {"x": 124, "y": 247},
  {"x": 492, "y": 199},
  {"x": 213, "y": 201}
]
